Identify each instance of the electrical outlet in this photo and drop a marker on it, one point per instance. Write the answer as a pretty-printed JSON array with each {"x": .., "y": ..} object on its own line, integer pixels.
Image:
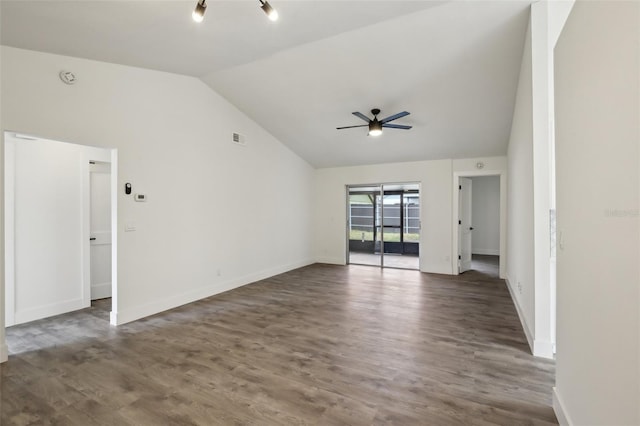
[
  {"x": 218, "y": 272},
  {"x": 519, "y": 287}
]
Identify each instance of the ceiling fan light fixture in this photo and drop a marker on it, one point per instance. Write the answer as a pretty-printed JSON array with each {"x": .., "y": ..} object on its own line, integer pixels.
[
  {"x": 198, "y": 13},
  {"x": 269, "y": 10},
  {"x": 375, "y": 128}
]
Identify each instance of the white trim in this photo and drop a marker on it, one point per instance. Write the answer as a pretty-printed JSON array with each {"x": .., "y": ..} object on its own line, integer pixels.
[
  {"x": 148, "y": 309},
  {"x": 114, "y": 235},
  {"x": 543, "y": 348},
  {"x": 51, "y": 310},
  {"x": 488, "y": 252},
  {"x": 560, "y": 409},
  {"x": 86, "y": 229},
  {"x": 4, "y": 352},
  {"x": 9, "y": 229},
  {"x": 527, "y": 331},
  {"x": 331, "y": 261},
  {"x": 539, "y": 348}
]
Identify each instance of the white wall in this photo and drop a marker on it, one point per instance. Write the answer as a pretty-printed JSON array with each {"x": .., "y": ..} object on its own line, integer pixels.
[
  {"x": 598, "y": 199},
  {"x": 520, "y": 254},
  {"x": 435, "y": 178},
  {"x": 485, "y": 208},
  {"x": 218, "y": 215},
  {"x": 530, "y": 190}
]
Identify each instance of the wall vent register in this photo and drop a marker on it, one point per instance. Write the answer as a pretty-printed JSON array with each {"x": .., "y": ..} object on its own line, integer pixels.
[{"x": 238, "y": 139}]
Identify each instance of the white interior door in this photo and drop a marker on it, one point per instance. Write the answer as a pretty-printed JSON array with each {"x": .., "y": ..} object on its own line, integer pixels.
[
  {"x": 45, "y": 181},
  {"x": 100, "y": 230},
  {"x": 465, "y": 227}
]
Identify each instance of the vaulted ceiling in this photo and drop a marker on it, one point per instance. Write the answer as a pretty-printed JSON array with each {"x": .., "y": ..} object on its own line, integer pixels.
[{"x": 453, "y": 64}]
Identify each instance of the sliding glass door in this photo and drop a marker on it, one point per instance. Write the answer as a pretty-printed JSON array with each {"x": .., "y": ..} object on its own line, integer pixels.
[
  {"x": 384, "y": 225},
  {"x": 365, "y": 236}
]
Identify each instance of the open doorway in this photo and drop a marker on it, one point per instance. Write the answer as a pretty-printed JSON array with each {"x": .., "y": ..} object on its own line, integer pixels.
[
  {"x": 479, "y": 223},
  {"x": 384, "y": 225},
  {"x": 52, "y": 198}
]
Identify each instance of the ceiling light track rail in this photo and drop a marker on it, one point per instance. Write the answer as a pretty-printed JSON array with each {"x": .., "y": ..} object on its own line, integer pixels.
[{"x": 201, "y": 8}]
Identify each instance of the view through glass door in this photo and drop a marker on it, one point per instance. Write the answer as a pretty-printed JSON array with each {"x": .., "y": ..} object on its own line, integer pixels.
[
  {"x": 384, "y": 225},
  {"x": 365, "y": 233}
]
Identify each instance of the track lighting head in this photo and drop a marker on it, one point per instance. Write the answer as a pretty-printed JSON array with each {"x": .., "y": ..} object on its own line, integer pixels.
[
  {"x": 270, "y": 11},
  {"x": 375, "y": 128},
  {"x": 198, "y": 13}
]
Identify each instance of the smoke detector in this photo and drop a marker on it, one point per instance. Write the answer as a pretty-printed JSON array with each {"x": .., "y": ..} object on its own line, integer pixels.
[{"x": 67, "y": 77}]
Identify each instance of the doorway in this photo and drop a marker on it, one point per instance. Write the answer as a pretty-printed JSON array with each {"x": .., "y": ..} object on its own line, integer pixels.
[
  {"x": 100, "y": 229},
  {"x": 48, "y": 222},
  {"x": 479, "y": 213},
  {"x": 384, "y": 225},
  {"x": 479, "y": 224}
]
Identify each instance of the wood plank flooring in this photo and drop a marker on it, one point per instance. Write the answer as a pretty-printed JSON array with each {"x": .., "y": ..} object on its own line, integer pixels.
[{"x": 320, "y": 345}]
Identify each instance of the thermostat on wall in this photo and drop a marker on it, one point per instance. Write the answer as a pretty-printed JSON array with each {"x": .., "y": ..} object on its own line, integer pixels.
[{"x": 140, "y": 197}]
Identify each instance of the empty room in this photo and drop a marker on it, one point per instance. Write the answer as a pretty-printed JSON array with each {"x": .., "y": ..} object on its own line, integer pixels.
[{"x": 308, "y": 212}]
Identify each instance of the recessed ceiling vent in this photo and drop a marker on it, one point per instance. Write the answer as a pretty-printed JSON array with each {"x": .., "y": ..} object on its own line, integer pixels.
[{"x": 239, "y": 139}]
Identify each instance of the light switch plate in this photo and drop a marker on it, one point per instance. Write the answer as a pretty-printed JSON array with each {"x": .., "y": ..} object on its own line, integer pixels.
[{"x": 130, "y": 227}]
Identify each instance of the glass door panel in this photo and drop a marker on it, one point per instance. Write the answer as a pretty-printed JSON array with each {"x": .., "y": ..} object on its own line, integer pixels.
[
  {"x": 401, "y": 218},
  {"x": 384, "y": 225},
  {"x": 364, "y": 229}
]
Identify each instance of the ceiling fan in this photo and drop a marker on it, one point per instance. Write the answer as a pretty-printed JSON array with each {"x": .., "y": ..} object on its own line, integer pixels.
[{"x": 375, "y": 125}]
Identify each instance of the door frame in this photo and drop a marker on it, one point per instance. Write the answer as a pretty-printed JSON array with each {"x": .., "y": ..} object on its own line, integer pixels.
[
  {"x": 348, "y": 224},
  {"x": 107, "y": 155},
  {"x": 503, "y": 216},
  {"x": 92, "y": 175},
  {"x": 462, "y": 197}
]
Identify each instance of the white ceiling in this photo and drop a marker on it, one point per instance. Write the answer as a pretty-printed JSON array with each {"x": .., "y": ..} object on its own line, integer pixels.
[{"x": 454, "y": 65}]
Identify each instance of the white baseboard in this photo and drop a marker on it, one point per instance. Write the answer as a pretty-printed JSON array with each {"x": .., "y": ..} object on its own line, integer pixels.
[
  {"x": 527, "y": 331},
  {"x": 41, "y": 312},
  {"x": 444, "y": 269},
  {"x": 560, "y": 410},
  {"x": 100, "y": 291},
  {"x": 539, "y": 348},
  {"x": 4, "y": 352},
  {"x": 543, "y": 348},
  {"x": 141, "y": 311},
  {"x": 489, "y": 252},
  {"x": 330, "y": 260}
]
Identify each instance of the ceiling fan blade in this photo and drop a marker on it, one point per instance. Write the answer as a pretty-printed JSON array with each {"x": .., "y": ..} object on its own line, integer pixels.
[
  {"x": 396, "y": 126},
  {"x": 394, "y": 117},
  {"x": 351, "y": 127},
  {"x": 361, "y": 115}
]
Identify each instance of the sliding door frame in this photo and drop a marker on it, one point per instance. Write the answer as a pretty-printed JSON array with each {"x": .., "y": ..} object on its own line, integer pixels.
[{"x": 381, "y": 187}]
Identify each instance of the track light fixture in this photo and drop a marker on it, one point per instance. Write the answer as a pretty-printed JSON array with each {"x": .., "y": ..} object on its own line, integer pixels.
[
  {"x": 270, "y": 11},
  {"x": 198, "y": 13},
  {"x": 201, "y": 7}
]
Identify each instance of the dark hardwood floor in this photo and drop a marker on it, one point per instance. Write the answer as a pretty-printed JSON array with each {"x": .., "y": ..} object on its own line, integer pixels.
[{"x": 321, "y": 345}]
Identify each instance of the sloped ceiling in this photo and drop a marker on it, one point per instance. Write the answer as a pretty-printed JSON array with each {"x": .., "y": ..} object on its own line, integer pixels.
[{"x": 454, "y": 65}]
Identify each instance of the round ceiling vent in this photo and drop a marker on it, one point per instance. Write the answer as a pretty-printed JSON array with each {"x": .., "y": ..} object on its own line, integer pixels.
[{"x": 67, "y": 77}]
